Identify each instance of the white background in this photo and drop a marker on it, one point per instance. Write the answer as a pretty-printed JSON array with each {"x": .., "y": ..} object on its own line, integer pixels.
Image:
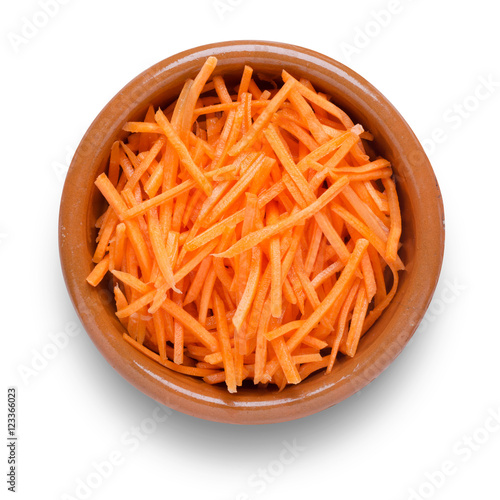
[{"x": 433, "y": 406}]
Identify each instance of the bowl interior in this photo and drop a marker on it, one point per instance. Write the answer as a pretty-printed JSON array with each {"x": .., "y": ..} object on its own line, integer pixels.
[{"x": 422, "y": 238}]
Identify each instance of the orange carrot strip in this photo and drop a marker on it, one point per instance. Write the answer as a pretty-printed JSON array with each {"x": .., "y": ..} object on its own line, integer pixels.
[
  {"x": 114, "y": 163},
  {"x": 250, "y": 289},
  {"x": 342, "y": 322},
  {"x": 375, "y": 313},
  {"x": 367, "y": 167},
  {"x": 191, "y": 264},
  {"x": 121, "y": 302},
  {"x": 308, "y": 289},
  {"x": 306, "y": 370},
  {"x": 285, "y": 360},
  {"x": 145, "y": 163},
  {"x": 306, "y": 190},
  {"x": 358, "y": 316},
  {"x": 320, "y": 101},
  {"x": 221, "y": 89},
  {"x": 215, "y": 108},
  {"x": 263, "y": 120},
  {"x": 236, "y": 191},
  {"x": 160, "y": 251},
  {"x": 262, "y": 175},
  {"x": 254, "y": 89},
  {"x": 247, "y": 112},
  {"x": 206, "y": 296},
  {"x": 142, "y": 127},
  {"x": 256, "y": 237},
  {"x": 345, "y": 280},
  {"x": 161, "y": 339},
  {"x": 275, "y": 261},
  {"x": 258, "y": 303},
  {"x": 178, "y": 329},
  {"x": 155, "y": 182},
  {"x": 375, "y": 175},
  {"x": 284, "y": 329},
  {"x": 366, "y": 214},
  {"x": 120, "y": 238},
  {"x": 369, "y": 277},
  {"x": 261, "y": 345},
  {"x": 245, "y": 81},
  {"x": 216, "y": 357},
  {"x": 195, "y": 91},
  {"x": 219, "y": 267},
  {"x": 395, "y": 215},
  {"x": 243, "y": 264},
  {"x": 186, "y": 370},
  {"x": 203, "y": 335},
  {"x": 231, "y": 221},
  {"x": 107, "y": 230},
  {"x": 306, "y": 359},
  {"x": 378, "y": 272},
  {"x": 136, "y": 305},
  {"x": 297, "y": 131},
  {"x": 325, "y": 149},
  {"x": 364, "y": 230},
  {"x": 198, "y": 280},
  {"x": 313, "y": 249},
  {"x": 226, "y": 138},
  {"x": 132, "y": 281},
  {"x": 111, "y": 194},
  {"x": 183, "y": 153},
  {"x": 223, "y": 335},
  {"x": 377, "y": 197},
  {"x": 314, "y": 342},
  {"x": 133, "y": 231},
  {"x": 308, "y": 116},
  {"x": 99, "y": 271}
]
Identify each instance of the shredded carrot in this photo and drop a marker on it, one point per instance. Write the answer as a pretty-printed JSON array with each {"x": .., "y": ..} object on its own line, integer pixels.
[
  {"x": 99, "y": 271},
  {"x": 224, "y": 339},
  {"x": 247, "y": 233},
  {"x": 275, "y": 261},
  {"x": 395, "y": 230}
]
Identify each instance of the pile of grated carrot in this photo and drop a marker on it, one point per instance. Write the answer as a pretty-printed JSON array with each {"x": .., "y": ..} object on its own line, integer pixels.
[{"x": 248, "y": 234}]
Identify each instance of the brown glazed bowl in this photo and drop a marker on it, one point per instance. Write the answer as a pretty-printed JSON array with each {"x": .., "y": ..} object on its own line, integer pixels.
[{"x": 422, "y": 239}]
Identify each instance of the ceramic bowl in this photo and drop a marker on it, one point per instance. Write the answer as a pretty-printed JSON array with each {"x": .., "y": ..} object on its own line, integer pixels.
[{"x": 422, "y": 238}]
